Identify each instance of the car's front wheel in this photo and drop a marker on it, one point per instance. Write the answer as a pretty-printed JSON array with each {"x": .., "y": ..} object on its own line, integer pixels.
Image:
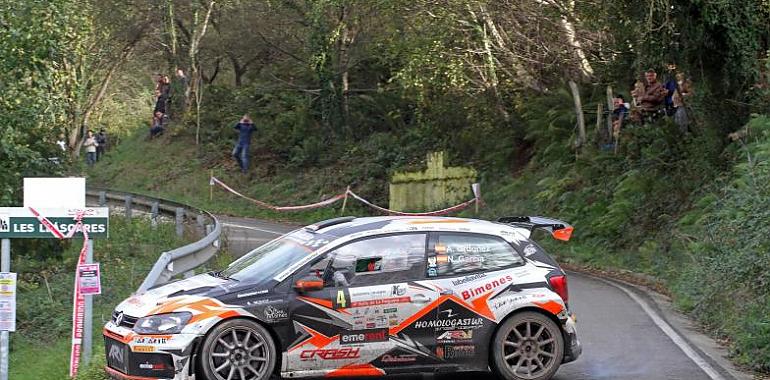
[
  {"x": 529, "y": 346},
  {"x": 238, "y": 349}
]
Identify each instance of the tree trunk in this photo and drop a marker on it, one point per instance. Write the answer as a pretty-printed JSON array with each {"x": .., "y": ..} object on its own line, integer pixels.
[
  {"x": 78, "y": 132},
  {"x": 610, "y": 108},
  {"x": 198, "y": 32},
  {"x": 579, "y": 112}
]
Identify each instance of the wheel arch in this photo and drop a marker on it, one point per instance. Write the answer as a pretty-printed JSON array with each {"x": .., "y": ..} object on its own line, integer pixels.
[{"x": 266, "y": 326}]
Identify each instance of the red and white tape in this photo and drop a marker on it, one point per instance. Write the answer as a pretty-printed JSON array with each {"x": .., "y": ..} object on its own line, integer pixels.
[
  {"x": 78, "y": 301},
  {"x": 327, "y": 202}
]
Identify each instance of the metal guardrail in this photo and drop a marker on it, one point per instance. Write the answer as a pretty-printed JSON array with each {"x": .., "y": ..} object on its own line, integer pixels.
[{"x": 177, "y": 261}]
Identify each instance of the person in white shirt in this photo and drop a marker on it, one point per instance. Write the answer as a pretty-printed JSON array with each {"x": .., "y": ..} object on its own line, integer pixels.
[{"x": 90, "y": 145}]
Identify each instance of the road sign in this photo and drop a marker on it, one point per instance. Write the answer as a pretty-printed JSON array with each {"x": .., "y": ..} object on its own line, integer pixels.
[{"x": 21, "y": 222}]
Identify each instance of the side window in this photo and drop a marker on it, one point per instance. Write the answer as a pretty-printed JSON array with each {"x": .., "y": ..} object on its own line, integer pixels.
[
  {"x": 459, "y": 253},
  {"x": 379, "y": 260}
]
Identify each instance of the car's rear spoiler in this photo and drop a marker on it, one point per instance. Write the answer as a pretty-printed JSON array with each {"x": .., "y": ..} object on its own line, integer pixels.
[{"x": 558, "y": 229}]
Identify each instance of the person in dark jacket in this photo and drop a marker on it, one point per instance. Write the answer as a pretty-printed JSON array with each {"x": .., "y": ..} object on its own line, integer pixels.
[
  {"x": 654, "y": 93},
  {"x": 101, "y": 139},
  {"x": 245, "y": 129}
]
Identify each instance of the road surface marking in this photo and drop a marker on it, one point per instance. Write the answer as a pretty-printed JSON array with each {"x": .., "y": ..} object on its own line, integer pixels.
[
  {"x": 252, "y": 228},
  {"x": 670, "y": 332}
]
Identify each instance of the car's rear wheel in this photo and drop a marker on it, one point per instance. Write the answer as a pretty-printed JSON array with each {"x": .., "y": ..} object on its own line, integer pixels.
[
  {"x": 238, "y": 349},
  {"x": 529, "y": 346}
]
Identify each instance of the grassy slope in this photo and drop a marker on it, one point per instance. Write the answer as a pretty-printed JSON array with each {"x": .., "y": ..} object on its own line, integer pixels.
[{"x": 40, "y": 349}]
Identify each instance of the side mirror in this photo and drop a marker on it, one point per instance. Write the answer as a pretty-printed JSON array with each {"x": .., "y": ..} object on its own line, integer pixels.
[{"x": 308, "y": 284}]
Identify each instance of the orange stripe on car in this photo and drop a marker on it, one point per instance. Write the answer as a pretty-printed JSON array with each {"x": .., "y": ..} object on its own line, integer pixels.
[
  {"x": 316, "y": 339},
  {"x": 356, "y": 370},
  {"x": 415, "y": 316},
  {"x": 551, "y": 306}
]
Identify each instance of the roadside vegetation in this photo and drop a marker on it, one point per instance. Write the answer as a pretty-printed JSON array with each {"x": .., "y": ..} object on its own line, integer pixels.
[
  {"x": 40, "y": 347},
  {"x": 344, "y": 93}
]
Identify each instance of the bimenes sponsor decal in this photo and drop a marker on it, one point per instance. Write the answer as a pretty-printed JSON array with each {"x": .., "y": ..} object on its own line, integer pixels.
[
  {"x": 488, "y": 286},
  {"x": 364, "y": 336}
]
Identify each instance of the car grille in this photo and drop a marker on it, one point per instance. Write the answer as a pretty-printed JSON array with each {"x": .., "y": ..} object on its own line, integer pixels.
[{"x": 128, "y": 321}]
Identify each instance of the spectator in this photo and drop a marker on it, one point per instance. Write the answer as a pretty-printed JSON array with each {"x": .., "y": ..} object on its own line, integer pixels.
[
  {"x": 156, "y": 126},
  {"x": 670, "y": 89},
  {"x": 90, "y": 145},
  {"x": 241, "y": 152},
  {"x": 654, "y": 94},
  {"x": 178, "y": 94},
  {"x": 62, "y": 143},
  {"x": 162, "y": 89},
  {"x": 681, "y": 95},
  {"x": 101, "y": 140}
]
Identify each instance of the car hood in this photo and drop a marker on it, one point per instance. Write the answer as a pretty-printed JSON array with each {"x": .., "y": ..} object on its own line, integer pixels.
[{"x": 203, "y": 285}]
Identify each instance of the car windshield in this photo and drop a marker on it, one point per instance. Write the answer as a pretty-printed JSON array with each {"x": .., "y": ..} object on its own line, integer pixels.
[{"x": 274, "y": 257}]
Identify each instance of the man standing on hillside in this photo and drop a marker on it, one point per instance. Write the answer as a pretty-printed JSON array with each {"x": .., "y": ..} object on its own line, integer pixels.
[
  {"x": 241, "y": 152},
  {"x": 654, "y": 93}
]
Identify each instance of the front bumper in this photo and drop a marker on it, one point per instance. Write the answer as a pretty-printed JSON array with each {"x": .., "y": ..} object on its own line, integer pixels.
[{"x": 131, "y": 356}]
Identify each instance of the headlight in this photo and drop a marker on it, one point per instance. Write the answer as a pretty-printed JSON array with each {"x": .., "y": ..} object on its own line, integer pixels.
[{"x": 171, "y": 323}]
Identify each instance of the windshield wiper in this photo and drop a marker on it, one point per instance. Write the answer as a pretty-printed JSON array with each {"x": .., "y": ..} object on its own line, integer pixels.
[{"x": 220, "y": 275}]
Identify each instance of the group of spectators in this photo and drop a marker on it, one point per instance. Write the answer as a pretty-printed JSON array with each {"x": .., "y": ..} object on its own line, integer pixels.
[
  {"x": 652, "y": 99},
  {"x": 168, "y": 96}
]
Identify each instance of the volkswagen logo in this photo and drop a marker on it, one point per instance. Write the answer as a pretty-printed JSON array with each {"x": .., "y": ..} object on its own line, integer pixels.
[{"x": 119, "y": 318}]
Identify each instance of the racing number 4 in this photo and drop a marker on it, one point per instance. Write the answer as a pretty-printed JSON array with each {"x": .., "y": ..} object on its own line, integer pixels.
[{"x": 341, "y": 299}]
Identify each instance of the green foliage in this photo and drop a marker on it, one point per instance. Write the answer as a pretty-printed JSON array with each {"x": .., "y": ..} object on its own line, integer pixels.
[{"x": 44, "y": 311}]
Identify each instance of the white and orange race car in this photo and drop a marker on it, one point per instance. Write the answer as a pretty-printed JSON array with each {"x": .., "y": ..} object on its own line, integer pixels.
[{"x": 360, "y": 297}]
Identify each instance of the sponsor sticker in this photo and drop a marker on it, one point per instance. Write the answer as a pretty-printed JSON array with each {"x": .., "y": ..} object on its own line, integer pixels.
[
  {"x": 381, "y": 301},
  {"x": 364, "y": 336},
  {"x": 486, "y": 287},
  {"x": 275, "y": 314},
  {"x": 151, "y": 339},
  {"x": 456, "y": 351},
  {"x": 452, "y": 323},
  {"x": 252, "y": 294},
  {"x": 455, "y": 335},
  {"x": 400, "y": 358},
  {"x": 467, "y": 279},
  {"x": 143, "y": 349},
  {"x": 331, "y": 354}
]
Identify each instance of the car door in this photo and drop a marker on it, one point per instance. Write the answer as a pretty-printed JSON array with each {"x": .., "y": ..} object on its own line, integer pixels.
[
  {"x": 473, "y": 268},
  {"x": 369, "y": 303}
]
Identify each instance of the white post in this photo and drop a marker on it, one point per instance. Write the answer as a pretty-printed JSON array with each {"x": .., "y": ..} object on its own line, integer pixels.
[
  {"x": 88, "y": 328},
  {"x": 5, "y": 266}
]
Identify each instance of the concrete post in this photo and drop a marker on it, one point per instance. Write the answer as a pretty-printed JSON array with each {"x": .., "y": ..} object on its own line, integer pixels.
[
  {"x": 129, "y": 201},
  {"x": 102, "y": 198},
  {"x": 154, "y": 214},
  {"x": 179, "y": 221}
]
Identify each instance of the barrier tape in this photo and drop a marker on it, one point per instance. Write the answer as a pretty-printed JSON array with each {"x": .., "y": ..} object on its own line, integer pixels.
[
  {"x": 327, "y": 202},
  {"x": 476, "y": 199},
  {"x": 78, "y": 301}
]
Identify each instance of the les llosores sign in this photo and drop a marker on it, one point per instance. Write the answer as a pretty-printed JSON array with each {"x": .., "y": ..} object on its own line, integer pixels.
[{"x": 20, "y": 222}]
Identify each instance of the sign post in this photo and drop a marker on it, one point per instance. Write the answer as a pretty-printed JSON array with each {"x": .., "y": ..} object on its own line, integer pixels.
[{"x": 5, "y": 267}]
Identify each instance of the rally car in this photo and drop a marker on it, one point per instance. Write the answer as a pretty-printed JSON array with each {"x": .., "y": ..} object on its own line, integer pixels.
[{"x": 360, "y": 297}]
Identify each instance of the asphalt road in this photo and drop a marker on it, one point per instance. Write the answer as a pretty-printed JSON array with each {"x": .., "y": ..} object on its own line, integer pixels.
[{"x": 621, "y": 340}]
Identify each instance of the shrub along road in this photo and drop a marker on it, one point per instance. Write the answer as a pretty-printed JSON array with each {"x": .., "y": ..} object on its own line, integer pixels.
[{"x": 625, "y": 334}]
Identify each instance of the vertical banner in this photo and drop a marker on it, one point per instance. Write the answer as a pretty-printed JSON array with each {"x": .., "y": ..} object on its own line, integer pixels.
[
  {"x": 7, "y": 301},
  {"x": 78, "y": 315}
]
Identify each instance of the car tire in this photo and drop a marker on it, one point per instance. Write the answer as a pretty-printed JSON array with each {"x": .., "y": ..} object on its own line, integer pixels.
[
  {"x": 528, "y": 345},
  {"x": 238, "y": 349}
]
